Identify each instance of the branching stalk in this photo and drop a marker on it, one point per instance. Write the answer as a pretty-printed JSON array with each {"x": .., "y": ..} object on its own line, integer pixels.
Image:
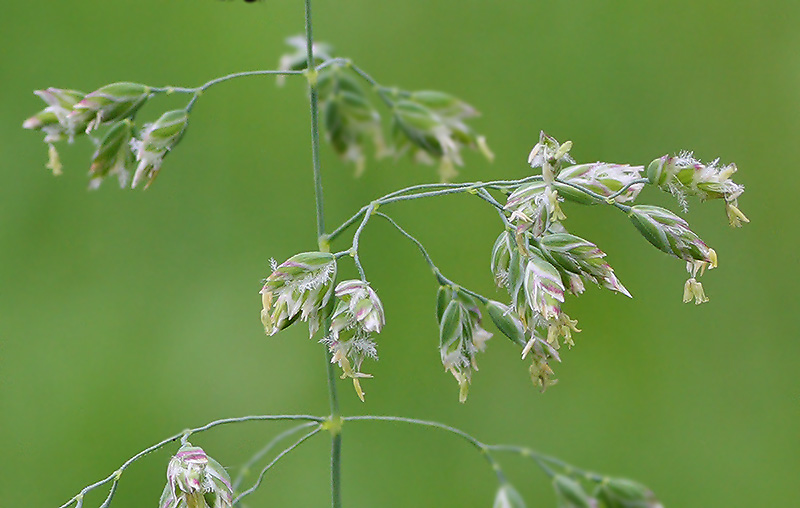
[
  {"x": 603, "y": 199},
  {"x": 439, "y": 189},
  {"x": 439, "y": 276},
  {"x": 245, "y": 470},
  {"x": 542, "y": 460},
  {"x": 273, "y": 462},
  {"x": 357, "y": 237},
  {"x": 626, "y": 187},
  {"x": 580, "y": 258},
  {"x": 483, "y": 448},
  {"x": 182, "y": 436}
]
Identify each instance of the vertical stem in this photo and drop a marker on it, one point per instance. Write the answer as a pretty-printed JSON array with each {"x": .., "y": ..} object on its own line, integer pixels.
[
  {"x": 336, "y": 470},
  {"x": 336, "y": 435},
  {"x": 313, "y": 95}
]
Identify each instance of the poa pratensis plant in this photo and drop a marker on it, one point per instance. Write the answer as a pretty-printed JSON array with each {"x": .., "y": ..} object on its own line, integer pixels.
[{"x": 535, "y": 259}]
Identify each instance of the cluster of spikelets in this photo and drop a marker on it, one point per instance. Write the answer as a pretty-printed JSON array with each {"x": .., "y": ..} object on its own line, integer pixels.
[
  {"x": 428, "y": 125},
  {"x": 576, "y": 491},
  {"x": 302, "y": 289},
  {"x": 538, "y": 261},
  {"x": 106, "y": 116},
  {"x": 195, "y": 480},
  {"x": 535, "y": 259}
]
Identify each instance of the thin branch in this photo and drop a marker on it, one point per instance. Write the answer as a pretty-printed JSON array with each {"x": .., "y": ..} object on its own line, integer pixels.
[
  {"x": 227, "y": 77},
  {"x": 369, "y": 79},
  {"x": 599, "y": 197},
  {"x": 501, "y": 211},
  {"x": 272, "y": 463},
  {"x": 439, "y": 276},
  {"x": 443, "y": 189},
  {"x": 252, "y": 418},
  {"x": 357, "y": 237},
  {"x": 245, "y": 470},
  {"x": 408, "y": 235},
  {"x": 198, "y": 91},
  {"x": 484, "y": 195},
  {"x": 419, "y": 195},
  {"x": 542, "y": 461},
  {"x": 628, "y": 186},
  {"x": 346, "y": 224},
  {"x": 115, "y": 476},
  {"x": 483, "y": 448},
  {"x": 346, "y": 62}
]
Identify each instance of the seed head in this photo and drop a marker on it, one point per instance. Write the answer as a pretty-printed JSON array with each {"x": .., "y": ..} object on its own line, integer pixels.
[
  {"x": 110, "y": 103},
  {"x": 195, "y": 480},
  {"x": 461, "y": 336},
  {"x": 155, "y": 142},
  {"x": 605, "y": 179},
  {"x": 683, "y": 175},
  {"x": 298, "y": 288},
  {"x": 670, "y": 233},
  {"x": 358, "y": 314}
]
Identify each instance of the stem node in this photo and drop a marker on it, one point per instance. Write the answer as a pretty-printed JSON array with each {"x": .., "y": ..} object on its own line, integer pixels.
[
  {"x": 311, "y": 75},
  {"x": 333, "y": 425}
]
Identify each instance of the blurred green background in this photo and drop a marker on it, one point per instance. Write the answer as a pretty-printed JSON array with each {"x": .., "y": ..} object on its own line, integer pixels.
[{"x": 127, "y": 316}]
